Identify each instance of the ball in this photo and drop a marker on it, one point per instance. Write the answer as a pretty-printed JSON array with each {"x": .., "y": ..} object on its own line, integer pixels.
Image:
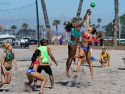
[{"x": 92, "y": 4}]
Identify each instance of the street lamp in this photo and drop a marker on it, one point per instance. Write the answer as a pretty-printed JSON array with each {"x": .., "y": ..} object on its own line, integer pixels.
[
  {"x": 66, "y": 17},
  {"x": 37, "y": 17}
]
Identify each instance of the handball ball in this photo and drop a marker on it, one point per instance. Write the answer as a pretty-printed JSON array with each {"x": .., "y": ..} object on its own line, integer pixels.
[{"x": 92, "y": 4}]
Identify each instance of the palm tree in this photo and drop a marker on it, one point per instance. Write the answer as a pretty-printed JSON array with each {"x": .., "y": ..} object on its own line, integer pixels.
[
  {"x": 99, "y": 20},
  {"x": 93, "y": 25},
  {"x": 116, "y": 5},
  {"x": 67, "y": 22},
  {"x": 97, "y": 26},
  {"x": 25, "y": 26},
  {"x": 13, "y": 27},
  {"x": 90, "y": 25},
  {"x": 56, "y": 23},
  {"x": 41, "y": 28},
  {"x": 46, "y": 21}
]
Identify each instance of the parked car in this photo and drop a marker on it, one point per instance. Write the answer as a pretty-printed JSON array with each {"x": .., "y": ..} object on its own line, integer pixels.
[
  {"x": 33, "y": 42},
  {"x": 24, "y": 41}
]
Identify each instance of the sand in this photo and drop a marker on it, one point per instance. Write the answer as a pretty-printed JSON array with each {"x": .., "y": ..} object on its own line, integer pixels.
[{"x": 108, "y": 80}]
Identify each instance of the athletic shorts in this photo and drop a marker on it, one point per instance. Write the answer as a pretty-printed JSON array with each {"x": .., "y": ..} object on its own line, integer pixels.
[
  {"x": 106, "y": 60},
  {"x": 47, "y": 69}
]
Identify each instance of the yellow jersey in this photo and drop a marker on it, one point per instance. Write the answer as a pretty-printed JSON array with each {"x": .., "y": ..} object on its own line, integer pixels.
[{"x": 104, "y": 55}]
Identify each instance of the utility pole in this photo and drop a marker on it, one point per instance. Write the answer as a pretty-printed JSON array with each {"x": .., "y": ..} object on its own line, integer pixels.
[
  {"x": 66, "y": 18},
  {"x": 37, "y": 18},
  {"x": 119, "y": 30}
]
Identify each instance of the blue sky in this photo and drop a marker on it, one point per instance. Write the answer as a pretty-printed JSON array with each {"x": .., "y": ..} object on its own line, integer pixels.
[{"x": 56, "y": 9}]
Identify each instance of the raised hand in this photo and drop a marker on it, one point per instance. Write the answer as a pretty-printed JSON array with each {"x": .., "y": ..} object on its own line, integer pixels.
[{"x": 88, "y": 11}]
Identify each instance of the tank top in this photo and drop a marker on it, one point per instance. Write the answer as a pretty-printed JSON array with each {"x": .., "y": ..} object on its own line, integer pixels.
[
  {"x": 104, "y": 55},
  {"x": 32, "y": 64},
  {"x": 44, "y": 54},
  {"x": 75, "y": 33},
  {"x": 36, "y": 62},
  {"x": 9, "y": 57}
]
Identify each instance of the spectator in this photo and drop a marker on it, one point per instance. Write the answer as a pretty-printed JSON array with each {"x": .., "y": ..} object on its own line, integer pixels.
[
  {"x": 61, "y": 41},
  {"x": 104, "y": 58},
  {"x": 95, "y": 41},
  {"x": 101, "y": 41}
]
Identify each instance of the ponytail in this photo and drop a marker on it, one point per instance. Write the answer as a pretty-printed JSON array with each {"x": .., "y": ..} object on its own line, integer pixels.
[
  {"x": 5, "y": 45},
  {"x": 69, "y": 27},
  {"x": 35, "y": 55},
  {"x": 99, "y": 34}
]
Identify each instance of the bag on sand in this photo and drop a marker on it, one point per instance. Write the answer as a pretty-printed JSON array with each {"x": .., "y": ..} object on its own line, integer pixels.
[{"x": 93, "y": 58}]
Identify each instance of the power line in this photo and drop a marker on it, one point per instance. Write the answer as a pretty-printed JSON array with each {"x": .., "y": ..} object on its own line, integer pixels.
[{"x": 18, "y": 8}]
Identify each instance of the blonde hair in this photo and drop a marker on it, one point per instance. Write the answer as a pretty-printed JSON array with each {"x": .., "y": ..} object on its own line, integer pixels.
[{"x": 5, "y": 45}]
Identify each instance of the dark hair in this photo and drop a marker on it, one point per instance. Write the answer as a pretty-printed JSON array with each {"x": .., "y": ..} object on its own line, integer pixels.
[
  {"x": 94, "y": 30},
  {"x": 35, "y": 54},
  {"x": 103, "y": 49},
  {"x": 42, "y": 42},
  {"x": 69, "y": 27}
]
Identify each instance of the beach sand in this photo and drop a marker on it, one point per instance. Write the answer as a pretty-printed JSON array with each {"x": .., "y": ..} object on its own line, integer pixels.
[{"x": 108, "y": 80}]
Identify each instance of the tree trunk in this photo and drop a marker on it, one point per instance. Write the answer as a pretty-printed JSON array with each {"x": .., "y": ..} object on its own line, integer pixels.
[
  {"x": 48, "y": 34},
  {"x": 99, "y": 26},
  {"x": 46, "y": 21},
  {"x": 115, "y": 22},
  {"x": 13, "y": 31},
  {"x": 79, "y": 9},
  {"x": 25, "y": 33},
  {"x": 56, "y": 29}
]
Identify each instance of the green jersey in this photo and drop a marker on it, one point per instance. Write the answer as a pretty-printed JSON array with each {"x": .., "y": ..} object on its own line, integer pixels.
[{"x": 44, "y": 54}]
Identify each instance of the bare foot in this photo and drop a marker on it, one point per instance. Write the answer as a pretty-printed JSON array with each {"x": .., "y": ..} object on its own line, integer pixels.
[
  {"x": 92, "y": 76},
  {"x": 53, "y": 88},
  {"x": 27, "y": 87},
  {"x": 41, "y": 93},
  {"x": 67, "y": 74},
  {"x": 75, "y": 71}
]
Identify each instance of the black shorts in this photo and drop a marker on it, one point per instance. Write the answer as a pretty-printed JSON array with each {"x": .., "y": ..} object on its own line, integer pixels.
[{"x": 47, "y": 69}]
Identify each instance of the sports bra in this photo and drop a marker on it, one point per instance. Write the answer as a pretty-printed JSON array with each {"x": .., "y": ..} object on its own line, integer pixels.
[
  {"x": 32, "y": 64},
  {"x": 75, "y": 33},
  {"x": 85, "y": 36},
  {"x": 9, "y": 57},
  {"x": 35, "y": 62},
  {"x": 104, "y": 55}
]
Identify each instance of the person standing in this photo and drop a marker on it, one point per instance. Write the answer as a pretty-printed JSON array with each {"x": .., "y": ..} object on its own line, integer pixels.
[
  {"x": 95, "y": 41},
  {"x": 61, "y": 41},
  {"x": 75, "y": 36},
  {"x": 101, "y": 41},
  {"x": 46, "y": 52},
  {"x": 6, "y": 64}
]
